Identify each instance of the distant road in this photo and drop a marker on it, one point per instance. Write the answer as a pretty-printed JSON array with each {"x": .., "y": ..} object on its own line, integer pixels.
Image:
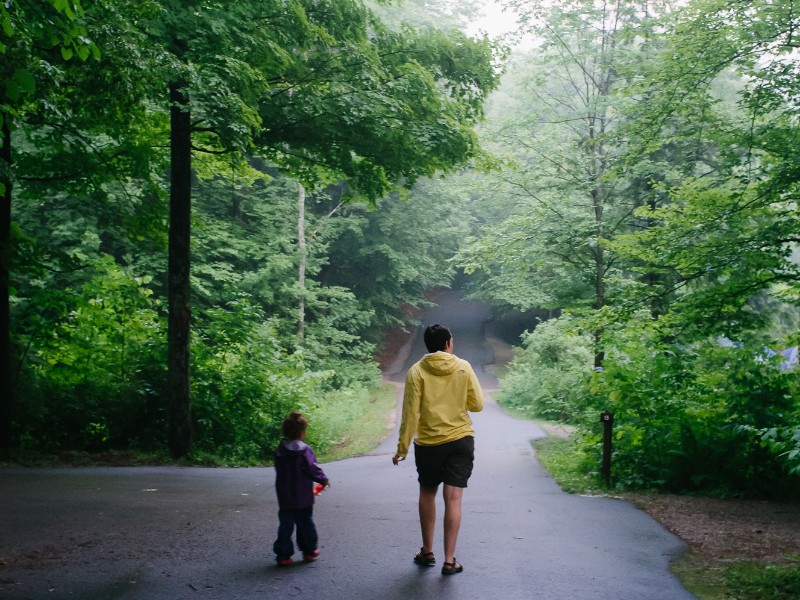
[
  {"x": 466, "y": 321},
  {"x": 177, "y": 533}
]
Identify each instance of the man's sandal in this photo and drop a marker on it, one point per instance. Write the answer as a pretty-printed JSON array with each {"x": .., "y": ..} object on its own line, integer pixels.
[
  {"x": 425, "y": 559},
  {"x": 451, "y": 568}
]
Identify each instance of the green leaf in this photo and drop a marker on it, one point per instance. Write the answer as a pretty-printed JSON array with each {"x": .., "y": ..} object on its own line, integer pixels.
[
  {"x": 24, "y": 79},
  {"x": 21, "y": 83}
]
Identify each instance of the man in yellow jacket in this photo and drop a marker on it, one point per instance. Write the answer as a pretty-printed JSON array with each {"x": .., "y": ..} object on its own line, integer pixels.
[{"x": 440, "y": 391}]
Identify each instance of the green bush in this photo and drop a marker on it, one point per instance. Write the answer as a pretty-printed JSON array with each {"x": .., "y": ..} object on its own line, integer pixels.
[
  {"x": 546, "y": 375},
  {"x": 91, "y": 381},
  {"x": 244, "y": 383},
  {"x": 351, "y": 421},
  {"x": 706, "y": 417}
]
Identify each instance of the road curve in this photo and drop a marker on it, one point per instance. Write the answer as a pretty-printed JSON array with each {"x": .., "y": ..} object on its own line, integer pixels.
[{"x": 194, "y": 533}]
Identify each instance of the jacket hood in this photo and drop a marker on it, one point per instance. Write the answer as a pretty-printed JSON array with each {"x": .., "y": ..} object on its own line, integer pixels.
[
  {"x": 287, "y": 446},
  {"x": 439, "y": 363}
]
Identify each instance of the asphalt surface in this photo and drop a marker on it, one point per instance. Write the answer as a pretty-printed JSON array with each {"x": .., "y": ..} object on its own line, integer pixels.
[{"x": 184, "y": 533}]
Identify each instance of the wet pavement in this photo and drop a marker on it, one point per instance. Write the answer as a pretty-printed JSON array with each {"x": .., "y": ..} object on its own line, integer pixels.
[{"x": 191, "y": 533}]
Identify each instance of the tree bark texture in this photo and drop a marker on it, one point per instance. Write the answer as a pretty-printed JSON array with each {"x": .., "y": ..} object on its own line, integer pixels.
[{"x": 178, "y": 293}]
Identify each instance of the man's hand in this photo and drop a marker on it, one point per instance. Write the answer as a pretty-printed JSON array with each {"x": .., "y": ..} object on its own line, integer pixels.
[{"x": 397, "y": 458}]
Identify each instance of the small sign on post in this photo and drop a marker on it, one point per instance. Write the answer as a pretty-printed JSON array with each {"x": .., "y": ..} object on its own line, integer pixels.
[{"x": 607, "y": 419}]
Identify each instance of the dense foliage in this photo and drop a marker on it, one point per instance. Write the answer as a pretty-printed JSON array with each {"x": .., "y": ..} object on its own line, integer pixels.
[
  {"x": 548, "y": 369},
  {"x": 251, "y": 184},
  {"x": 656, "y": 203},
  {"x": 161, "y": 281}
]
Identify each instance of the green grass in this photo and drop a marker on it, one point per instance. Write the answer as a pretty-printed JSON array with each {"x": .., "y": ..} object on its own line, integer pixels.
[
  {"x": 568, "y": 466},
  {"x": 355, "y": 421},
  {"x": 710, "y": 580},
  {"x": 764, "y": 582},
  {"x": 349, "y": 423},
  {"x": 704, "y": 579}
]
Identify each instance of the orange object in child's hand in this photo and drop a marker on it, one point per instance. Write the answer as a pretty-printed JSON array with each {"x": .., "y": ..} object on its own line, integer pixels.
[{"x": 318, "y": 488}]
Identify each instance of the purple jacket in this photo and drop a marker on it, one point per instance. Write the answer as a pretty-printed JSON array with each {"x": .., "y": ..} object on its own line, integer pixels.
[{"x": 296, "y": 470}]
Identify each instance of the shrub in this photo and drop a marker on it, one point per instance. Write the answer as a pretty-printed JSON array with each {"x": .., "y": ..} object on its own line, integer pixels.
[
  {"x": 706, "y": 417},
  {"x": 92, "y": 382},
  {"x": 244, "y": 383},
  {"x": 545, "y": 377}
]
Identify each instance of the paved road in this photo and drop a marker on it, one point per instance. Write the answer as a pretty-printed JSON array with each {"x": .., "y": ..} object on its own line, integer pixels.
[{"x": 190, "y": 533}]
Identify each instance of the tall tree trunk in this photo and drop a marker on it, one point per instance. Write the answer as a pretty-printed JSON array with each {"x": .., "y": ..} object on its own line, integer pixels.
[
  {"x": 301, "y": 270},
  {"x": 599, "y": 274},
  {"x": 6, "y": 378},
  {"x": 596, "y": 149},
  {"x": 178, "y": 292}
]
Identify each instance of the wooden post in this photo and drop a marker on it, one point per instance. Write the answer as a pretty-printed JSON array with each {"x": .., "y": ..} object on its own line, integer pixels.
[{"x": 607, "y": 419}]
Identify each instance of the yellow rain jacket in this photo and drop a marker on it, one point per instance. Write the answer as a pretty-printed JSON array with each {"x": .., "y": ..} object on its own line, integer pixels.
[{"x": 440, "y": 389}]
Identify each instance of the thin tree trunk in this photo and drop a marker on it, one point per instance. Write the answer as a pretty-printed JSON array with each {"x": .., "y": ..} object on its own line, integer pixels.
[
  {"x": 597, "y": 172},
  {"x": 600, "y": 277},
  {"x": 301, "y": 270},
  {"x": 6, "y": 378},
  {"x": 178, "y": 292}
]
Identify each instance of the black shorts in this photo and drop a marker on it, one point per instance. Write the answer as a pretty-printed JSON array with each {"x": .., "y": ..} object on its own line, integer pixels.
[{"x": 450, "y": 463}]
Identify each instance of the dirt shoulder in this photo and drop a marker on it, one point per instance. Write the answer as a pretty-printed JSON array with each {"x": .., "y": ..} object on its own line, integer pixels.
[{"x": 725, "y": 530}]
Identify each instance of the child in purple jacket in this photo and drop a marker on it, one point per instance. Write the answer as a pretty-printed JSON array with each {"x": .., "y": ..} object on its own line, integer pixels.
[{"x": 296, "y": 470}]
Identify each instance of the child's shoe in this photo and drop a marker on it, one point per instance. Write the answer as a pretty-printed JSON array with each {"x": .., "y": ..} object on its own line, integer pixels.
[
  {"x": 309, "y": 556},
  {"x": 285, "y": 562}
]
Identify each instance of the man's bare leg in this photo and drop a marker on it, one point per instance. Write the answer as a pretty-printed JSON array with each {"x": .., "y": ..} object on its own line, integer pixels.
[
  {"x": 452, "y": 519},
  {"x": 427, "y": 516}
]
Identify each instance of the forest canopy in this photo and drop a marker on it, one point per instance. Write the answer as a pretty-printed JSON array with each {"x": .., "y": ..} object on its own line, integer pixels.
[
  {"x": 651, "y": 200},
  {"x": 177, "y": 176}
]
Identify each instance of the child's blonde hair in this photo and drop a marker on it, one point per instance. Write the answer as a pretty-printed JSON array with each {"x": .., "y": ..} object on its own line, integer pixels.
[{"x": 294, "y": 425}]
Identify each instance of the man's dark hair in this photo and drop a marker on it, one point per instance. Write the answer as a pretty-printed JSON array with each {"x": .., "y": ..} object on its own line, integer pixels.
[{"x": 436, "y": 336}]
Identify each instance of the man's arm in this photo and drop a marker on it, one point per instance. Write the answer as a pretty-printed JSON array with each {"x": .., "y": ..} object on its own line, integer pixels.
[
  {"x": 474, "y": 393},
  {"x": 408, "y": 422}
]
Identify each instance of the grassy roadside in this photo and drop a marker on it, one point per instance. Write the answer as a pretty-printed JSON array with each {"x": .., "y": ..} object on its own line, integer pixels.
[
  {"x": 708, "y": 576},
  {"x": 745, "y": 580},
  {"x": 355, "y": 421}
]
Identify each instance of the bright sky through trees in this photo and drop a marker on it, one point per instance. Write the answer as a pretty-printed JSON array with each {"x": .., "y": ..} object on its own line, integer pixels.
[{"x": 497, "y": 21}]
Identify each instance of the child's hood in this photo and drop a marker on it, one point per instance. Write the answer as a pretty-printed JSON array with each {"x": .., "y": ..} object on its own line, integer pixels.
[{"x": 290, "y": 446}]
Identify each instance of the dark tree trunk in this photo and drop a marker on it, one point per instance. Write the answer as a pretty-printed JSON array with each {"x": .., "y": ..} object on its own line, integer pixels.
[
  {"x": 6, "y": 378},
  {"x": 180, "y": 210}
]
